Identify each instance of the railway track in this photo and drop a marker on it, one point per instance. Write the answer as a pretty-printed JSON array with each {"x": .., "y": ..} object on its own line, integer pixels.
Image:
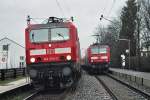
[
  {"x": 144, "y": 94},
  {"x": 53, "y": 94},
  {"x": 31, "y": 96},
  {"x": 119, "y": 90},
  {"x": 50, "y": 94},
  {"x": 107, "y": 89}
]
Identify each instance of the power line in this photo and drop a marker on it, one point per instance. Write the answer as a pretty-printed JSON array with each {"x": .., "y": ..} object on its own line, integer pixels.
[
  {"x": 60, "y": 8},
  {"x": 67, "y": 7},
  {"x": 106, "y": 4},
  {"x": 109, "y": 12},
  {"x": 114, "y": 1}
]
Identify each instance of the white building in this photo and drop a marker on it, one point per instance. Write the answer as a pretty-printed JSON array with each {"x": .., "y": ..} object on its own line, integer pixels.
[{"x": 12, "y": 54}]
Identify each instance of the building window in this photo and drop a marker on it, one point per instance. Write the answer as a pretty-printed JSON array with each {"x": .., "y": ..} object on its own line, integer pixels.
[
  {"x": 21, "y": 64},
  {"x": 5, "y": 47},
  {"x": 21, "y": 57}
]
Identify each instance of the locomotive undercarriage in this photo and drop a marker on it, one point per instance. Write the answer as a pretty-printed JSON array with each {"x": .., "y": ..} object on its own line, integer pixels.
[
  {"x": 54, "y": 75},
  {"x": 98, "y": 67}
]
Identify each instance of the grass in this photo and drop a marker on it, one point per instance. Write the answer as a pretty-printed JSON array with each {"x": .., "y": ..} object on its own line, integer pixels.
[
  {"x": 10, "y": 80},
  {"x": 18, "y": 96}
]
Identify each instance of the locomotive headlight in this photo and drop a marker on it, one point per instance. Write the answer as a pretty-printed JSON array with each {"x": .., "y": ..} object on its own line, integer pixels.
[
  {"x": 66, "y": 71},
  {"x": 68, "y": 57},
  {"x": 33, "y": 73},
  {"x": 32, "y": 60}
]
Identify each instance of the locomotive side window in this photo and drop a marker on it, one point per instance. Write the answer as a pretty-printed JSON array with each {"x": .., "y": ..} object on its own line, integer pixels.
[
  {"x": 39, "y": 35},
  {"x": 58, "y": 34},
  {"x": 97, "y": 50}
]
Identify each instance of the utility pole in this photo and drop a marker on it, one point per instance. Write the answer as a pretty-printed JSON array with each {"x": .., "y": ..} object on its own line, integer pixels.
[
  {"x": 102, "y": 17},
  {"x": 128, "y": 40},
  {"x": 138, "y": 33}
]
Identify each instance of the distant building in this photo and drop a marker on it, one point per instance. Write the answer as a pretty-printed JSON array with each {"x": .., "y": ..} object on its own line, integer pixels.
[{"x": 12, "y": 54}]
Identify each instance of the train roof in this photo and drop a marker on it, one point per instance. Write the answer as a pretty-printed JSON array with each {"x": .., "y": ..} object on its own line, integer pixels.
[
  {"x": 52, "y": 22},
  {"x": 97, "y": 44},
  {"x": 51, "y": 25}
]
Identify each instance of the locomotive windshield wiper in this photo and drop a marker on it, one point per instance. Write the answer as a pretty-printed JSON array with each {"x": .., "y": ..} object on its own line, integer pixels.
[
  {"x": 32, "y": 37},
  {"x": 61, "y": 35}
]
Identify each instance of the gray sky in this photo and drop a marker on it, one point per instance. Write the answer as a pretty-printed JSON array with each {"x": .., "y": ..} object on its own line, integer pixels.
[{"x": 86, "y": 15}]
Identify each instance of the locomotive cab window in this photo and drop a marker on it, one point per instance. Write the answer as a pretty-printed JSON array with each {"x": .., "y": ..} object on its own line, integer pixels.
[
  {"x": 40, "y": 35},
  {"x": 47, "y": 35},
  {"x": 59, "y": 34},
  {"x": 97, "y": 50}
]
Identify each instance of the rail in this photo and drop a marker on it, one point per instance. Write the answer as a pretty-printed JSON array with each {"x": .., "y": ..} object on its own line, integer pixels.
[
  {"x": 146, "y": 95},
  {"x": 107, "y": 89},
  {"x": 31, "y": 97}
]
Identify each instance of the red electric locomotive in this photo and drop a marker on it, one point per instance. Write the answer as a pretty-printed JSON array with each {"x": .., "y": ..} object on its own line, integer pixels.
[
  {"x": 97, "y": 58},
  {"x": 53, "y": 53}
]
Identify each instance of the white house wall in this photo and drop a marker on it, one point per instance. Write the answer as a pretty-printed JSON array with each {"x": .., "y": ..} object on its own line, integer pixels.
[{"x": 14, "y": 53}]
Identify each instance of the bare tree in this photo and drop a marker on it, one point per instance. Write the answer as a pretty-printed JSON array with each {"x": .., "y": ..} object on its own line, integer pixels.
[
  {"x": 110, "y": 34},
  {"x": 99, "y": 33},
  {"x": 114, "y": 28}
]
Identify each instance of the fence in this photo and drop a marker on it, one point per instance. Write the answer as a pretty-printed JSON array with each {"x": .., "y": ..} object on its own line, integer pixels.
[
  {"x": 12, "y": 73},
  {"x": 140, "y": 64}
]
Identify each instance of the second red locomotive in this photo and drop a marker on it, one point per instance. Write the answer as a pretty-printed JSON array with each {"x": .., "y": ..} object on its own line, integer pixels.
[
  {"x": 53, "y": 53},
  {"x": 97, "y": 58}
]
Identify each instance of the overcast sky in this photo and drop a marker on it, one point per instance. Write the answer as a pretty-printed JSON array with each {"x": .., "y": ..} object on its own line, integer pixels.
[{"x": 86, "y": 15}]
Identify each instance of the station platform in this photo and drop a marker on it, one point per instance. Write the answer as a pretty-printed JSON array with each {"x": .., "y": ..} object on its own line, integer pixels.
[
  {"x": 12, "y": 85},
  {"x": 136, "y": 76}
]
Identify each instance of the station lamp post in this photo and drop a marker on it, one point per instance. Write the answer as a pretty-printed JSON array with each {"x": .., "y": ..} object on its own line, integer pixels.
[
  {"x": 102, "y": 17},
  {"x": 129, "y": 48}
]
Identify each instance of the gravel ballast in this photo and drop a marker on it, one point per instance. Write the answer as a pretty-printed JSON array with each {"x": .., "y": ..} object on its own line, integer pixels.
[
  {"x": 122, "y": 92},
  {"x": 89, "y": 88}
]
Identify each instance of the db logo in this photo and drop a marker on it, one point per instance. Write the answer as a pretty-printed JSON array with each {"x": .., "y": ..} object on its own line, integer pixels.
[{"x": 50, "y": 51}]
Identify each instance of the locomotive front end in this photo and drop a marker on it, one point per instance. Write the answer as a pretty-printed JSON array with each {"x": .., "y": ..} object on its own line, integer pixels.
[
  {"x": 51, "y": 54},
  {"x": 98, "y": 57}
]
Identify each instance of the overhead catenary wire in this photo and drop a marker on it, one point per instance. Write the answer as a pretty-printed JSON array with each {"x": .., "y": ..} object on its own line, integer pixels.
[
  {"x": 44, "y": 20},
  {"x": 109, "y": 12},
  {"x": 106, "y": 4},
  {"x": 67, "y": 7},
  {"x": 60, "y": 8}
]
